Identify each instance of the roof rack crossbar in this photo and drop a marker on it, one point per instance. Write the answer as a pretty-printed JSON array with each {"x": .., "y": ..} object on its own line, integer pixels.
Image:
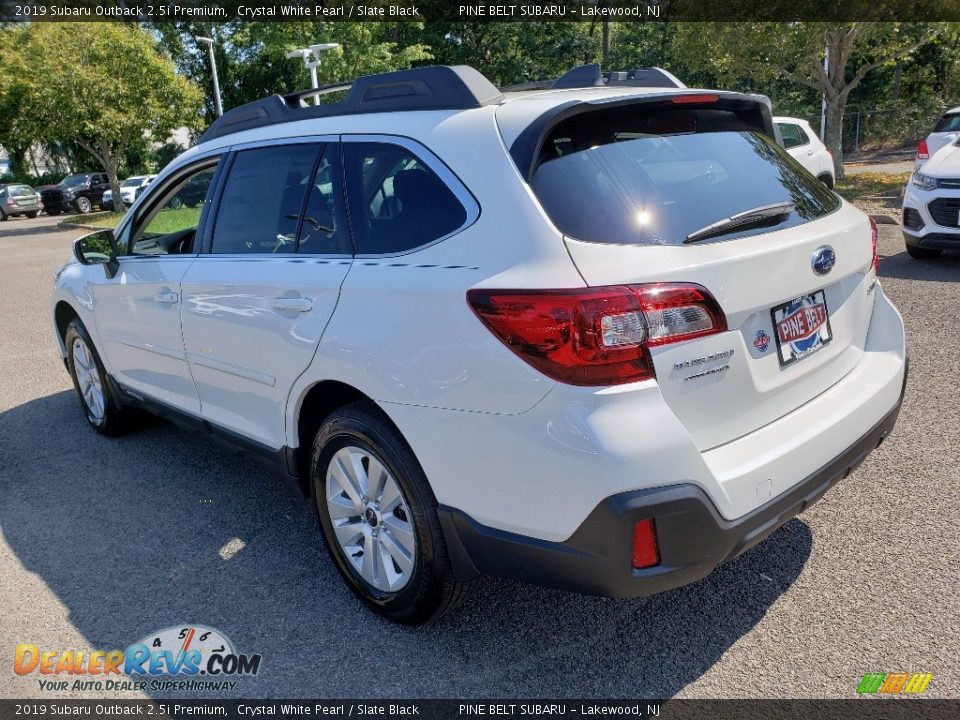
[{"x": 435, "y": 87}]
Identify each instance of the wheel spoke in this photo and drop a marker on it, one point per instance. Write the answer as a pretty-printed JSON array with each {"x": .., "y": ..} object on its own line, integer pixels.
[
  {"x": 401, "y": 531},
  {"x": 403, "y": 557},
  {"x": 340, "y": 475},
  {"x": 371, "y": 560},
  {"x": 341, "y": 508},
  {"x": 376, "y": 479},
  {"x": 390, "y": 498},
  {"x": 358, "y": 474},
  {"x": 348, "y": 533}
]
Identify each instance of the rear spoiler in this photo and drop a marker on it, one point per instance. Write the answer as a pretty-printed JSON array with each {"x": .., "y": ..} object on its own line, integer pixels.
[{"x": 525, "y": 150}]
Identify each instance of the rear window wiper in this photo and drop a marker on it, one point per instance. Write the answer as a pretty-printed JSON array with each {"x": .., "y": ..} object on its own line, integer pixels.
[{"x": 764, "y": 213}]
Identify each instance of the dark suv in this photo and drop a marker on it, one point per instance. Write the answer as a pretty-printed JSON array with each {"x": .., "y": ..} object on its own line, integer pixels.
[{"x": 75, "y": 193}]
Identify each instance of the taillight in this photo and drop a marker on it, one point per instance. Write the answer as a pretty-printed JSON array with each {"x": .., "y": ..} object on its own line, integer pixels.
[
  {"x": 645, "y": 552},
  {"x": 873, "y": 242},
  {"x": 922, "y": 152},
  {"x": 597, "y": 336}
]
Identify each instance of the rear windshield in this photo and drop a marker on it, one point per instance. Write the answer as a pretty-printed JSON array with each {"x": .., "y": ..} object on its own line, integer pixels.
[
  {"x": 948, "y": 123},
  {"x": 653, "y": 178}
]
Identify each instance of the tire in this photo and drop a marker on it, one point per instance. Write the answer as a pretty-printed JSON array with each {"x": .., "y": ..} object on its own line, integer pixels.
[
  {"x": 176, "y": 203},
  {"x": 83, "y": 205},
  {"x": 106, "y": 415},
  {"x": 826, "y": 180},
  {"x": 32, "y": 215},
  {"x": 919, "y": 253},
  {"x": 3, "y": 216},
  {"x": 415, "y": 582}
]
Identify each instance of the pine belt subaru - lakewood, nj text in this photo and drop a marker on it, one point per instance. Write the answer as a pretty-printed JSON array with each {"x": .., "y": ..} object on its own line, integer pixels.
[{"x": 601, "y": 334}]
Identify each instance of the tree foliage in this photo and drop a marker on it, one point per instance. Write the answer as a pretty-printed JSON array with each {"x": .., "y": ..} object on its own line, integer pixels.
[
  {"x": 761, "y": 53},
  {"x": 102, "y": 86}
]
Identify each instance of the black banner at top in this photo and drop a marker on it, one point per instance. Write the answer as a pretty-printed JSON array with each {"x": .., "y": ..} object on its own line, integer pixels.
[{"x": 479, "y": 10}]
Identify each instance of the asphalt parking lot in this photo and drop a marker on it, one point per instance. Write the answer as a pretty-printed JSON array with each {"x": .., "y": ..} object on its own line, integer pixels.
[{"x": 104, "y": 541}]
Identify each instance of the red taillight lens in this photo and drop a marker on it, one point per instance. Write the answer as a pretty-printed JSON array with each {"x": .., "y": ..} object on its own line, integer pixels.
[
  {"x": 873, "y": 241},
  {"x": 645, "y": 552},
  {"x": 922, "y": 152},
  {"x": 694, "y": 99},
  {"x": 597, "y": 336}
]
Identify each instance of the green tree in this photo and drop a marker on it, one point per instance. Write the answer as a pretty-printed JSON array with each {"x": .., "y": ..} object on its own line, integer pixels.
[
  {"x": 252, "y": 62},
  {"x": 757, "y": 51},
  {"x": 101, "y": 86}
]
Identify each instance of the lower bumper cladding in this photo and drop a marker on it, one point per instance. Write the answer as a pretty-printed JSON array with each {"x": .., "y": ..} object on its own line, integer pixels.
[{"x": 692, "y": 538}]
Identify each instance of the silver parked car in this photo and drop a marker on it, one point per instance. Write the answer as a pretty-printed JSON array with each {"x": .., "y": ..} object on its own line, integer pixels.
[{"x": 19, "y": 200}]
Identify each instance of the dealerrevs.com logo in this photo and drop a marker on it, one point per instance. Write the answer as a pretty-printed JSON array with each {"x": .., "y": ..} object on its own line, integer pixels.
[{"x": 186, "y": 657}]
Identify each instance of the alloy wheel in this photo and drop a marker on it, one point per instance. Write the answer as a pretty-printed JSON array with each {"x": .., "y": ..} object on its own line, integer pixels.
[
  {"x": 371, "y": 519},
  {"x": 88, "y": 380}
]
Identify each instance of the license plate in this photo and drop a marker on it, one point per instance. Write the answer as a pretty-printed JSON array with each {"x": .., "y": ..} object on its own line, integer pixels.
[{"x": 801, "y": 327}]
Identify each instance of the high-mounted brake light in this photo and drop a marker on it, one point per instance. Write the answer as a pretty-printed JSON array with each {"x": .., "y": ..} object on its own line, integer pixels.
[
  {"x": 696, "y": 98},
  {"x": 922, "y": 152},
  {"x": 873, "y": 242},
  {"x": 597, "y": 336}
]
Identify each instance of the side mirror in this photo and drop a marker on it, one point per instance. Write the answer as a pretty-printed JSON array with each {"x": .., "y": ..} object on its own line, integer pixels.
[{"x": 98, "y": 248}]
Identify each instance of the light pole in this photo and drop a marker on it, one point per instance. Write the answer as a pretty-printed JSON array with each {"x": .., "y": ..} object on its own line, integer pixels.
[
  {"x": 213, "y": 68},
  {"x": 311, "y": 57}
]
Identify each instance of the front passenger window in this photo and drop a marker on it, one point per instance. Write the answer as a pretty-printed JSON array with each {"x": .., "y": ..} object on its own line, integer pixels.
[{"x": 171, "y": 223}]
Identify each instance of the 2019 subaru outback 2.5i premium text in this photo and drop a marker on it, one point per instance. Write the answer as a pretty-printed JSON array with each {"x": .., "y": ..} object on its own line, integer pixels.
[{"x": 602, "y": 336}]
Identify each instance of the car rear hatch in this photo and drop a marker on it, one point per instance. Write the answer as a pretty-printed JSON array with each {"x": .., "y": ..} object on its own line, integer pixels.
[{"x": 694, "y": 189}]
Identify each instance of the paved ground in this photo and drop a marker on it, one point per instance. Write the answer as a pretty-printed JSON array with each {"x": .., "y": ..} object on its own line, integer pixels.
[
  {"x": 104, "y": 541},
  {"x": 887, "y": 168}
]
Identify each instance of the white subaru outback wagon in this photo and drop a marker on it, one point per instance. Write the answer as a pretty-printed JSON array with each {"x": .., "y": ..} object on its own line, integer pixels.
[{"x": 601, "y": 335}]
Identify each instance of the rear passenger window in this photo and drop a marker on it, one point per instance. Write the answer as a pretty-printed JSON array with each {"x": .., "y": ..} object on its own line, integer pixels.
[
  {"x": 396, "y": 201},
  {"x": 262, "y": 199}
]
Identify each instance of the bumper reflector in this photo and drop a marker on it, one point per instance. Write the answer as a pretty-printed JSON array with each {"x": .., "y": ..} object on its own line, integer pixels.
[{"x": 645, "y": 552}]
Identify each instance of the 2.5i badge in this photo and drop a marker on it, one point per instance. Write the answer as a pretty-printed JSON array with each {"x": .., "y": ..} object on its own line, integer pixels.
[{"x": 801, "y": 327}]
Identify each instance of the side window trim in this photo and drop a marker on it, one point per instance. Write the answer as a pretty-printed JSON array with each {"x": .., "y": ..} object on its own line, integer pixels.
[
  {"x": 152, "y": 192},
  {"x": 436, "y": 165}
]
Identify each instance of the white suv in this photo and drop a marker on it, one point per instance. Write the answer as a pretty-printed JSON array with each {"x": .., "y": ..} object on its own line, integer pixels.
[
  {"x": 802, "y": 143},
  {"x": 931, "y": 205},
  {"x": 602, "y": 336}
]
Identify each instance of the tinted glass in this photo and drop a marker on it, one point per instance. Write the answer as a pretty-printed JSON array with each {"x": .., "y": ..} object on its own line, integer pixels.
[
  {"x": 949, "y": 123},
  {"x": 21, "y": 191},
  {"x": 172, "y": 219},
  {"x": 72, "y": 180},
  {"x": 324, "y": 226},
  {"x": 793, "y": 135},
  {"x": 611, "y": 180},
  {"x": 397, "y": 203},
  {"x": 262, "y": 200}
]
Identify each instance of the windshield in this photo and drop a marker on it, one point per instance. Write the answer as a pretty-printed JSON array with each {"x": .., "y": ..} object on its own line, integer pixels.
[
  {"x": 72, "y": 180},
  {"x": 614, "y": 183},
  {"x": 132, "y": 182}
]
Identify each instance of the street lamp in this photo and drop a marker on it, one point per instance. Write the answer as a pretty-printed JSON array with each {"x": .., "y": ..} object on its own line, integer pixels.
[
  {"x": 213, "y": 68},
  {"x": 311, "y": 59}
]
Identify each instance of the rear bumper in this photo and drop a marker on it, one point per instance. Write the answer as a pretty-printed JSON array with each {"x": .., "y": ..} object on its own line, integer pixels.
[{"x": 692, "y": 536}]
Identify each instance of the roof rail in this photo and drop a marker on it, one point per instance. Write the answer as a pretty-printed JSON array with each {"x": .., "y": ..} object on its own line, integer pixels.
[
  {"x": 435, "y": 87},
  {"x": 592, "y": 76}
]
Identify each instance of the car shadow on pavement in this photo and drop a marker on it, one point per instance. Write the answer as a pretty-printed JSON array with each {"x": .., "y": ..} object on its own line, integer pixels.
[
  {"x": 944, "y": 268},
  {"x": 7, "y": 231},
  {"x": 140, "y": 533}
]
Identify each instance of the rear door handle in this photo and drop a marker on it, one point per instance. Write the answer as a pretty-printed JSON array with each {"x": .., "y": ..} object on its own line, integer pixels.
[
  {"x": 298, "y": 304},
  {"x": 167, "y": 298}
]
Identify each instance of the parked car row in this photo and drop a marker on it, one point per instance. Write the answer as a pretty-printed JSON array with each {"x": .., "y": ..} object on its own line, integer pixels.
[{"x": 78, "y": 193}]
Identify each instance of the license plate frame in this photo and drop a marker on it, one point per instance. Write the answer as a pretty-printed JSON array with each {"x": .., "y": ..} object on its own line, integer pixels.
[{"x": 801, "y": 327}]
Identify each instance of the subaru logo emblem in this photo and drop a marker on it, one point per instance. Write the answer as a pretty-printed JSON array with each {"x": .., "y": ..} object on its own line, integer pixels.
[{"x": 823, "y": 260}]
